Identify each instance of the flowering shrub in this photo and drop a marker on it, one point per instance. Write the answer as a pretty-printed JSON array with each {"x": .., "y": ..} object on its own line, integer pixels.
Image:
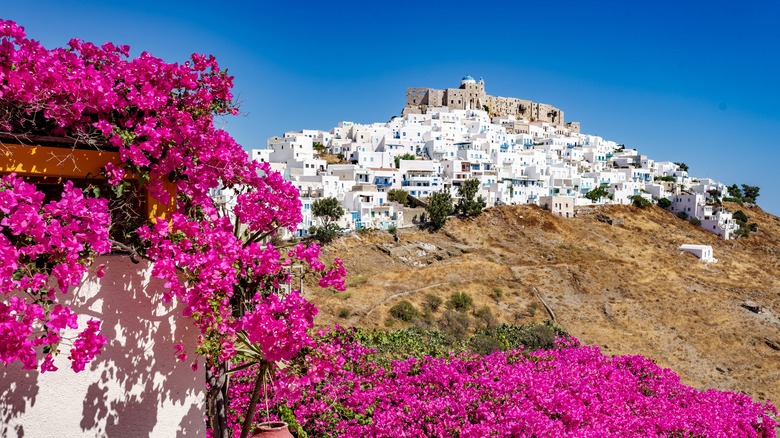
[
  {"x": 572, "y": 390},
  {"x": 160, "y": 118}
]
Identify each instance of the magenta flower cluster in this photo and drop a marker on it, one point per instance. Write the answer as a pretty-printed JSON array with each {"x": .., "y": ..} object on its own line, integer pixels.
[
  {"x": 160, "y": 117},
  {"x": 572, "y": 390},
  {"x": 38, "y": 240}
]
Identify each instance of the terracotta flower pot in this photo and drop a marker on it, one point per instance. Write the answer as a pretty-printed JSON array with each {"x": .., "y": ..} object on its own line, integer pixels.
[{"x": 272, "y": 429}]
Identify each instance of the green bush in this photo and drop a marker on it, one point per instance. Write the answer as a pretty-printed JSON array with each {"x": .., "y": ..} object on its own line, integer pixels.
[
  {"x": 497, "y": 293},
  {"x": 639, "y": 202},
  {"x": 740, "y": 216},
  {"x": 398, "y": 195},
  {"x": 344, "y": 313},
  {"x": 483, "y": 344},
  {"x": 696, "y": 221},
  {"x": 664, "y": 203},
  {"x": 682, "y": 215},
  {"x": 485, "y": 317},
  {"x": 531, "y": 337},
  {"x": 460, "y": 301},
  {"x": 404, "y": 311},
  {"x": 438, "y": 208},
  {"x": 432, "y": 302},
  {"x": 455, "y": 325}
]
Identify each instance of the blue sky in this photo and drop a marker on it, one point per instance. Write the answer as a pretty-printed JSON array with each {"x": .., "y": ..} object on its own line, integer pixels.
[{"x": 681, "y": 81}]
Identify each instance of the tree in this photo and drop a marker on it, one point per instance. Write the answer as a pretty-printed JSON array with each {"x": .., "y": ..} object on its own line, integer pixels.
[
  {"x": 319, "y": 148},
  {"x": 398, "y": 195},
  {"x": 328, "y": 210},
  {"x": 467, "y": 205},
  {"x": 639, "y": 201},
  {"x": 597, "y": 193},
  {"x": 750, "y": 193},
  {"x": 734, "y": 191},
  {"x": 406, "y": 156},
  {"x": 664, "y": 203},
  {"x": 682, "y": 166},
  {"x": 438, "y": 208}
]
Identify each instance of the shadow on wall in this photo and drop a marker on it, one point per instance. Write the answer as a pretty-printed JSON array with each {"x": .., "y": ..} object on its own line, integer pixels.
[{"x": 135, "y": 388}]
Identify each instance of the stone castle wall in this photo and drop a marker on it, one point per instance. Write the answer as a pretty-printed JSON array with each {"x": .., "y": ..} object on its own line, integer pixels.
[{"x": 473, "y": 96}]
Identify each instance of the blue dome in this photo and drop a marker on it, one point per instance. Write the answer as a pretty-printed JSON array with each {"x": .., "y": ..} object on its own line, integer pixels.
[{"x": 467, "y": 78}]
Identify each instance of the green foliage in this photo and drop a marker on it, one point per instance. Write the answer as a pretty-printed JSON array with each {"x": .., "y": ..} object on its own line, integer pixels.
[
  {"x": 398, "y": 195},
  {"x": 319, "y": 148},
  {"x": 485, "y": 318},
  {"x": 696, "y": 221},
  {"x": 715, "y": 195},
  {"x": 392, "y": 229},
  {"x": 287, "y": 415},
  {"x": 742, "y": 220},
  {"x": 468, "y": 205},
  {"x": 734, "y": 191},
  {"x": 438, "y": 208},
  {"x": 420, "y": 342},
  {"x": 532, "y": 337},
  {"x": 497, "y": 293},
  {"x": 682, "y": 215},
  {"x": 682, "y": 166},
  {"x": 483, "y": 344},
  {"x": 327, "y": 210},
  {"x": 432, "y": 302},
  {"x": 740, "y": 216},
  {"x": 406, "y": 156},
  {"x": 664, "y": 203},
  {"x": 639, "y": 202},
  {"x": 460, "y": 301},
  {"x": 750, "y": 193},
  {"x": 666, "y": 178},
  {"x": 597, "y": 193},
  {"x": 456, "y": 326},
  {"x": 345, "y": 313},
  {"x": 404, "y": 311},
  {"x": 324, "y": 234}
]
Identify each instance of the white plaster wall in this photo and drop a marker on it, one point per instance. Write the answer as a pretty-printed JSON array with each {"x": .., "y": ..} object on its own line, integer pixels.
[{"x": 135, "y": 388}]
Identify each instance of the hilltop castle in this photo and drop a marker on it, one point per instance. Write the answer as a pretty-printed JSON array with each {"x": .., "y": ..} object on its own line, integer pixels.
[{"x": 471, "y": 95}]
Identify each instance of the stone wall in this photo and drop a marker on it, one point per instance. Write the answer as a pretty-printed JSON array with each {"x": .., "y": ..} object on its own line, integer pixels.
[{"x": 473, "y": 96}]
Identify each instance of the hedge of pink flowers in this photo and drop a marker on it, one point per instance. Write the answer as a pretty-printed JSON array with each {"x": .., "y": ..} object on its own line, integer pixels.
[
  {"x": 159, "y": 116},
  {"x": 574, "y": 390}
]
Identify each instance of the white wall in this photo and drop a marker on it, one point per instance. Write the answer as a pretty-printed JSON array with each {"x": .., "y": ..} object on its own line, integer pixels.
[{"x": 135, "y": 388}]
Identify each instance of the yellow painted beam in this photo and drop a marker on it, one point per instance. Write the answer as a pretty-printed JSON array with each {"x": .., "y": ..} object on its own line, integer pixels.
[
  {"x": 45, "y": 161},
  {"x": 56, "y": 165}
]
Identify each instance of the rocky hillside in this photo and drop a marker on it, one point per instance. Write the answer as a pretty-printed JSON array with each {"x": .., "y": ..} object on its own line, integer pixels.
[{"x": 613, "y": 277}]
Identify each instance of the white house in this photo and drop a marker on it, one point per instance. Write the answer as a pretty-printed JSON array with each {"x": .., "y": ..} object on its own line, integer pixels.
[{"x": 703, "y": 252}]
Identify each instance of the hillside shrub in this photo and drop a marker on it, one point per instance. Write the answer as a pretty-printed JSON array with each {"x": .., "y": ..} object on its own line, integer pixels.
[
  {"x": 740, "y": 216},
  {"x": 438, "y": 208},
  {"x": 696, "y": 221},
  {"x": 460, "y": 301},
  {"x": 432, "y": 302},
  {"x": 639, "y": 201},
  {"x": 497, "y": 293},
  {"x": 664, "y": 203},
  {"x": 404, "y": 311},
  {"x": 682, "y": 215},
  {"x": 456, "y": 326}
]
